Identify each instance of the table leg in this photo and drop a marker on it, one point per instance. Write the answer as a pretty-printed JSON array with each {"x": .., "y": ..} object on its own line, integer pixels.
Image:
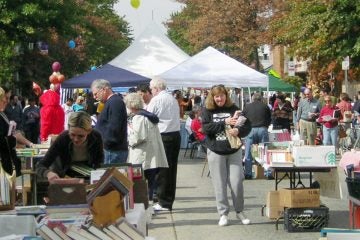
[
  {"x": 292, "y": 180},
  {"x": 299, "y": 180},
  {"x": 34, "y": 184},
  {"x": 23, "y": 189}
]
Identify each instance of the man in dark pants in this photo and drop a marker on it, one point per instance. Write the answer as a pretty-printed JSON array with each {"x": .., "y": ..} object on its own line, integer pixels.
[
  {"x": 165, "y": 106},
  {"x": 259, "y": 115},
  {"x": 111, "y": 122}
]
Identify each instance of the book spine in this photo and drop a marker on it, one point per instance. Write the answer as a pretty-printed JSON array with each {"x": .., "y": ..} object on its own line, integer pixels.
[
  {"x": 99, "y": 233},
  {"x": 75, "y": 235},
  {"x": 48, "y": 231},
  {"x": 130, "y": 229},
  {"x": 61, "y": 233},
  {"x": 86, "y": 234},
  {"x": 119, "y": 185},
  {"x": 42, "y": 234},
  {"x": 118, "y": 232},
  {"x": 111, "y": 234}
]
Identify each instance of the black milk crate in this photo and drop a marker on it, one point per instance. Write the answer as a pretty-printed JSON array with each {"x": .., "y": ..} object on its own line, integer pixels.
[
  {"x": 306, "y": 219},
  {"x": 353, "y": 185}
]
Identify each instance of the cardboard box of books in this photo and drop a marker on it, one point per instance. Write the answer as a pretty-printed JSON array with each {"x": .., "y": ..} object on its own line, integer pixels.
[
  {"x": 280, "y": 158},
  {"x": 264, "y": 148},
  {"x": 300, "y": 197},
  {"x": 258, "y": 171},
  {"x": 314, "y": 156},
  {"x": 274, "y": 209}
]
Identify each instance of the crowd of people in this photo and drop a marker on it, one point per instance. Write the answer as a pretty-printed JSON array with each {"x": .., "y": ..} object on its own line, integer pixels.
[{"x": 143, "y": 127}]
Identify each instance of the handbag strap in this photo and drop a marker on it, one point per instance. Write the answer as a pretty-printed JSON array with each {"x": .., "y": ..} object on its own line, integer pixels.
[{"x": 3, "y": 115}]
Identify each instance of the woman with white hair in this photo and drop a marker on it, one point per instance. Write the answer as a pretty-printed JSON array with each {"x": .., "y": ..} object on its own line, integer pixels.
[{"x": 145, "y": 144}]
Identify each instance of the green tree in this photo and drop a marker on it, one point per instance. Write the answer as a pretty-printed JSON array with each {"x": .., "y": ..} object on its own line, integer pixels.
[
  {"x": 321, "y": 30},
  {"x": 7, "y": 67},
  {"x": 100, "y": 34},
  {"x": 232, "y": 26}
]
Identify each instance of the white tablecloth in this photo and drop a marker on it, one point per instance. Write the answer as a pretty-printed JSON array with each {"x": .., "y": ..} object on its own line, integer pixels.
[
  {"x": 20, "y": 225},
  {"x": 137, "y": 217}
]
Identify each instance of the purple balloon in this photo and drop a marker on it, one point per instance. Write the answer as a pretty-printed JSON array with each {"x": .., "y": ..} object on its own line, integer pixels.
[{"x": 56, "y": 66}]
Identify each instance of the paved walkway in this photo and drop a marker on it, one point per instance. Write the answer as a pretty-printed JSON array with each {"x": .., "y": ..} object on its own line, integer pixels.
[{"x": 194, "y": 213}]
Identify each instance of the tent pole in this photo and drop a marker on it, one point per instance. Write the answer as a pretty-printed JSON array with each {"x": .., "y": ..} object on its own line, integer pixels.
[
  {"x": 242, "y": 98},
  {"x": 268, "y": 99},
  {"x": 249, "y": 93}
]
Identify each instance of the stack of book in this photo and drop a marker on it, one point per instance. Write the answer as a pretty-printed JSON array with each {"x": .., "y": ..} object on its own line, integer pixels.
[
  {"x": 120, "y": 230},
  {"x": 106, "y": 199},
  {"x": 112, "y": 179},
  {"x": 81, "y": 169},
  {"x": 41, "y": 149}
]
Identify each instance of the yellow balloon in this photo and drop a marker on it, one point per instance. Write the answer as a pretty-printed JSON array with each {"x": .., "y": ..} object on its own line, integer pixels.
[{"x": 135, "y": 3}]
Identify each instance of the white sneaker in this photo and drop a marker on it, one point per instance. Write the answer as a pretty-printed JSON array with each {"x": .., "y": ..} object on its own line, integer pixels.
[
  {"x": 158, "y": 207},
  {"x": 243, "y": 218},
  {"x": 223, "y": 220}
]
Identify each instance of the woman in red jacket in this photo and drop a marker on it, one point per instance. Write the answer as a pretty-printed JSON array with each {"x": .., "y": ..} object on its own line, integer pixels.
[{"x": 329, "y": 118}]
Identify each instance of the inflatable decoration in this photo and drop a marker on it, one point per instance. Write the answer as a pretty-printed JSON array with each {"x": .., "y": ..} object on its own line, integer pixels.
[
  {"x": 72, "y": 44},
  {"x": 135, "y": 3},
  {"x": 56, "y": 66},
  {"x": 56, "y": 77}
]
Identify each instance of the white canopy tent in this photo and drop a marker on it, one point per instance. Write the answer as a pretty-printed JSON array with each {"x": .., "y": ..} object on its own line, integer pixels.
[
  {"x": 150, "y": 54},
  {"x": 210, "y": 67}
]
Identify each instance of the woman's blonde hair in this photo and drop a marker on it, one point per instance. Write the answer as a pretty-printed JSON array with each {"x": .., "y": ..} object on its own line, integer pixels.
[
  {"x": 2, "y": 93},
  {"x": 80, "y": 119},
  {"x": 216, "y": 90}
]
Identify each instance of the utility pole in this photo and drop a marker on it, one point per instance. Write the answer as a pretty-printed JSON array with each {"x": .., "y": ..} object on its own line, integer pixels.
[{"x": 345, "y": 66}]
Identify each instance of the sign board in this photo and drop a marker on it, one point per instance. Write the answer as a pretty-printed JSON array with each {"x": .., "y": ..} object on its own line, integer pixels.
[{"x": 291, "y": 68}]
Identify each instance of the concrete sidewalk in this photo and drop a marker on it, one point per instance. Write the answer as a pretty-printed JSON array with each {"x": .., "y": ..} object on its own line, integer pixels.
[{"x": 194, "y": 214}]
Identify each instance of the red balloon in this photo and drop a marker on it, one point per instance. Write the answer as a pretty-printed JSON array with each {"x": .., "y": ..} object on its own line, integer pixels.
[
  {"x": 53, "y": 78},
  {"x": 60, "y": 78},
  {"x": 56, "y": 66}
]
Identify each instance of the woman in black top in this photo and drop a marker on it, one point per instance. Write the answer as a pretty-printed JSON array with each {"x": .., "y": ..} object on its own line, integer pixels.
[
  {"x": 225, "y": 162},
  {"x": 79, "y": 144},
  {"x": 8, "y": 156}
]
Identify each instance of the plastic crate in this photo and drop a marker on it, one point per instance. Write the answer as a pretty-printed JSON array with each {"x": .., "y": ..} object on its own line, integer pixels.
[
  {"x": 353, "y": 185},
  {"x": 306, "y": 219}
]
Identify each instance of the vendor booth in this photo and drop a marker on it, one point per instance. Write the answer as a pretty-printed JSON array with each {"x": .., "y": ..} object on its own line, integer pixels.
[
  {"x": 211, "y": 67},
  {"x": 118, "y": 77},
  {"x": 208, "y": 68},
  {"x": 151, "y": 53}
]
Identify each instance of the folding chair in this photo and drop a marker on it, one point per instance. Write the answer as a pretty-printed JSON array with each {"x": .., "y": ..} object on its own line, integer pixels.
[{"x": 192, "y": 145}]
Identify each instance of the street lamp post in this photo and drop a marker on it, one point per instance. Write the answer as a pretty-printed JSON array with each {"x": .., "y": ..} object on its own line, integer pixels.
[{"x": 345, "y": 67}]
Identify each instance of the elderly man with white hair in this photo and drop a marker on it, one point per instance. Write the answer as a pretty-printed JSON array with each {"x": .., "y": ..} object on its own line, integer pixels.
[{"x": 165, "y": 106}]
